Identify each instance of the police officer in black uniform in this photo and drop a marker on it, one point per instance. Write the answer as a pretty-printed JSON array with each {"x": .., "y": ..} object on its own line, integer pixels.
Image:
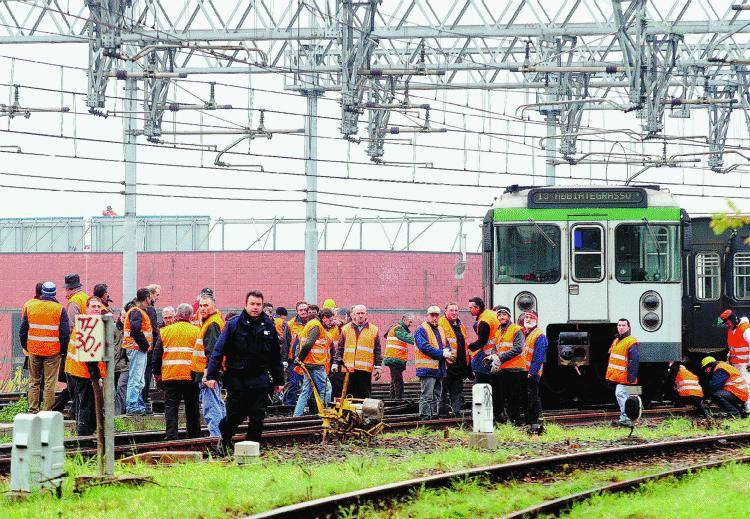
[{"x": 249, "y": 345}]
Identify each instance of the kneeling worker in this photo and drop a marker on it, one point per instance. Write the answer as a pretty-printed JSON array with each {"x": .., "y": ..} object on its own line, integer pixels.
[
  {"x": 623, "y": 366},
  {"x": 173, "y": 357},
  {"x": 249, "y": 345},
  {"x": 688, "y": 388},
  {"x": 726, "y": 386}
]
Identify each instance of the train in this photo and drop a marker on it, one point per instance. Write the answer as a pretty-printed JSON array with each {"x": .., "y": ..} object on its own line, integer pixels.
[{"x": 584, "y": 257}]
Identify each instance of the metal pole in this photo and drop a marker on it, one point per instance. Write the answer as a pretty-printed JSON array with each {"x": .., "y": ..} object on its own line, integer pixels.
[
  {"x": 129, "y": 254},
  {"x": 109, "y": 396},
  {"x": 551, "y": 145},
  {"x": 311, "y": 213}
]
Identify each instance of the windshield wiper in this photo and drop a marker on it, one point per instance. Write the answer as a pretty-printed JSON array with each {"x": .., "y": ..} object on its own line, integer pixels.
[
  {"x": 652, "y": 234},
  {"x": 541, "y": 231}
]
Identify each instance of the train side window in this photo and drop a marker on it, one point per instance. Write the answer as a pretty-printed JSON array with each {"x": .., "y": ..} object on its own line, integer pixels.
[
  {"x": 742, "y": 275},
  {"x": 588, "y": 253},
  {"x": 707, "y": 276}
]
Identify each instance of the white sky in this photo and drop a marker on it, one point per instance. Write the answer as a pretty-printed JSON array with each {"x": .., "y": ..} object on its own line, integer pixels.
[{"x": 519, "y": 156}]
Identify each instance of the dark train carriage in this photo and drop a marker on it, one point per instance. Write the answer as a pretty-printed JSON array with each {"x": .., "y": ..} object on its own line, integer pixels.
[{"x": 717, "y": 277}]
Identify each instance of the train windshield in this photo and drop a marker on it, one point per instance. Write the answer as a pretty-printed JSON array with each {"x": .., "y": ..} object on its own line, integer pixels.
[
  {"x": 647, "y": 253},
  {"x": 527, "y": 253}
]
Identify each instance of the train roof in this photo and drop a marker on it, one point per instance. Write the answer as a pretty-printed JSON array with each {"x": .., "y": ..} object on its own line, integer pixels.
[{"x": 519, "y": 196}]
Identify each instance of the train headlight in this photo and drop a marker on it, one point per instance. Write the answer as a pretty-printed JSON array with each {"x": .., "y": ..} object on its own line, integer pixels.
[
  {"x": 525, "y": 301},
  {"x": 651, "y": 311}
]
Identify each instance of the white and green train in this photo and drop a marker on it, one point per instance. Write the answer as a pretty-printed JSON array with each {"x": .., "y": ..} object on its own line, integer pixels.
[{"x": 582, "y": 258}]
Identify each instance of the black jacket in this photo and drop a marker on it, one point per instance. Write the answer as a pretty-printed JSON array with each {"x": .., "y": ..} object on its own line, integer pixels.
[{"x": 250, "y": 349}]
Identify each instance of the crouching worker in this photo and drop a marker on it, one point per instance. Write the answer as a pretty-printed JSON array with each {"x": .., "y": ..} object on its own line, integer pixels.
[
  {"x": 725, "y": 386},
  {"x": 173, "y": 356},
  {"x": 688, "y": 388}
]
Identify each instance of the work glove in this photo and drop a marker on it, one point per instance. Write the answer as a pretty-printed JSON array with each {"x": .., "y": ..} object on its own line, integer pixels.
[
  {"x": 297, "y": 362},
  {"x": 447, "y": 353},
  {"x": 377, "y": 373},
  {"x": 334, "y": 368},
  {"x": 490, "y": 359},
  {"x": 285, "y": 364}
]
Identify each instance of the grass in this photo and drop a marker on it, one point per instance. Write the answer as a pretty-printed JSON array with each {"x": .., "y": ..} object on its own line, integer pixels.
[
  {"x": 714, "y": 493},
  {"x": 9, "y": 411},
  {"x": 210, "y": 490}
]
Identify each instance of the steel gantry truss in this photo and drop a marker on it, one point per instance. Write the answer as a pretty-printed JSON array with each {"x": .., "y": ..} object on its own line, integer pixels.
[{"x": 636, "y": 56}]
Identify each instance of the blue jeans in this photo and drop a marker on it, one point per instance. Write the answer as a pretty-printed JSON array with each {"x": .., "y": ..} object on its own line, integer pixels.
[
  {"x": 134, "y": 397},
  {"x": 213, "y": 408},
  {"x": 292, "y": 391},
  {"x": 121, "y": 390},
  {"x": 431, "y": 387},
  {"x": 621, "y": 394},
  {"x": 318, "y": 375}
]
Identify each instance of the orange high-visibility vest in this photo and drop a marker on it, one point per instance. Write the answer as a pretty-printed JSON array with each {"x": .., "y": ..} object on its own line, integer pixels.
[
  {"x": 735, "y": 384},
  {"x": 80, "y": 299},
  {"x": 359, "y": 350},
  {"x": 617, "y": 369},
  {"x": 395, "y": 348},
  {"x": 489, "y": 317},
  {"x": 528, "y": 349},
  {"x": 79, "y": 369},
  {"x": 278, "y": 323},
  {"x": 178, "y": 340},
  {"x": 127, "y": 340},
  {"x": 44, "y": 327},
  {"x": 450, "y": 337},
  {"x": 422, "y": 360},
  {"x": 334, "y": 333},
  {"x": 295, "y": 329},
  {"x": 686, "y": 383},
  {"x": 739, "y": 349},
  {"x": 321, "y": 350},
  {"x": 199, "y": 352},
  {"x": 23, "y": 314},
  {"x": 505, "y": 344}
]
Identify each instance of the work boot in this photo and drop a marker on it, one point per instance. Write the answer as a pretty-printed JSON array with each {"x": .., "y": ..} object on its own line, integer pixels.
[{"x": 536, "y": 429}]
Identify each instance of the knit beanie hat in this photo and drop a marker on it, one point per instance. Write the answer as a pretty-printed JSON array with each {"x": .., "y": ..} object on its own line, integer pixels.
[{"x": 49, "y": 289}]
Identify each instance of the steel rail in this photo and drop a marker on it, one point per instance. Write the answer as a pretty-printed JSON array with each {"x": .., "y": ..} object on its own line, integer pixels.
[
  {"x": 331, "y": 505},
  {"x": 562, "y": 504}
]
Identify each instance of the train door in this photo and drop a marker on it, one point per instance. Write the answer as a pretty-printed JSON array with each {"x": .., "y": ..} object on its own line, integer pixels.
[
  {"x": 587, "y": 284},
  {"x": 706, "y": 300}
]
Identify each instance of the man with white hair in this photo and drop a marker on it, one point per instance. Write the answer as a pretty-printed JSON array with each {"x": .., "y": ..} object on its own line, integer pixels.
[
  {"x": 211, "y": 325},
  {"x": 173, "y": 356},
  {"x": 168, "y": 316},
  {"x": 358, "y": 353}
]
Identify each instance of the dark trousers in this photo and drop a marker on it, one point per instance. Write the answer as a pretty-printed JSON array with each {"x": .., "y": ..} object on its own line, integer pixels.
[
  {"x": 451, "y": 395},
  {"x": 360, "y": 384},
  {"x": 64, "y": 396},
  {"x": 242, "y": 404},
  {"x": 147, "y": 377},
  {"x": 498, "y": 410},
  {"x": 535, "y": 402},
  {"x": 337, "y": 383},
  {"x": 696, "y": 402},
  {"x": 82, "y": 395},
  {"x": 729, "y": 403},
  {"x": 396, "y": 387},
  {"x": 514, "y": 391},
  {"x": 174, "y": 391}
]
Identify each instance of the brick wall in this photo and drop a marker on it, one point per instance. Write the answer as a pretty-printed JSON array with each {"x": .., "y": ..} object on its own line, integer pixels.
[{"x": 382, "y": 280}]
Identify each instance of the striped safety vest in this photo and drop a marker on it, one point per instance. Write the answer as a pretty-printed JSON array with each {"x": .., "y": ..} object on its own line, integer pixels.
[
  {"x": 423, "y": 361},
  {"x": 450, "y": 336},
  {"x": 686, "y": 383},
  {"x": 127, "y": 340},
  {"x": 505, "y": 344},
  {"x": 80, "y": 299},
  {"x": 321, "y": 350},
  {"x": 735, "y": 384},
  {"x": 199, "y": 352},
  {"x": 739, "y": 349},
  {"x": 395, "y": 348},
  {"x": 73, "y": 366},
  {"x": 359, "y": 350},
  {"x": 295, "y": 329},
  {"x": 529, "y": 346},
  {"x": 617, "y": 369},
  {"x": 178, "y": 340},
  {"x": 278, "y": 323},
  {"x": 44, "y": 327},
  {"x": 489, "y": 317}
]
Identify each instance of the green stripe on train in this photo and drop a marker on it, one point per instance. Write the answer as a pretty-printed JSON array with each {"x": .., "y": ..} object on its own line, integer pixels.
[{"x": 586, "y": 213}]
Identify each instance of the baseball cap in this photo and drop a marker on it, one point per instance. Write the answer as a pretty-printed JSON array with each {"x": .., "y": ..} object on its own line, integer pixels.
[{"x": 433, "y": 310}]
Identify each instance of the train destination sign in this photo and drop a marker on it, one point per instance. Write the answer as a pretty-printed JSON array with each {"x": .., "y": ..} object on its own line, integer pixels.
[{"x": 588, "y": 197}]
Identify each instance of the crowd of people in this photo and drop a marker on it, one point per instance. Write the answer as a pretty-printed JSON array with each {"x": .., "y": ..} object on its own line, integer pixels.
[{"x": 194, "y": 353}]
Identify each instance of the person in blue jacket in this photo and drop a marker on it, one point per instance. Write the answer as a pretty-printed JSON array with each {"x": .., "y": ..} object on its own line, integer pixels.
[{"x": 430, "y": 358}]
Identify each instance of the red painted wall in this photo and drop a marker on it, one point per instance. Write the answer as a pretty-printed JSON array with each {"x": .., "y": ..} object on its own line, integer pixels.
[{"x": 379, "y": 279}]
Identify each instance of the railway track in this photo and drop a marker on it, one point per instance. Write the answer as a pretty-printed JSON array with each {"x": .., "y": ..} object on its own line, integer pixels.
[{"x": 331, "y": 506}]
